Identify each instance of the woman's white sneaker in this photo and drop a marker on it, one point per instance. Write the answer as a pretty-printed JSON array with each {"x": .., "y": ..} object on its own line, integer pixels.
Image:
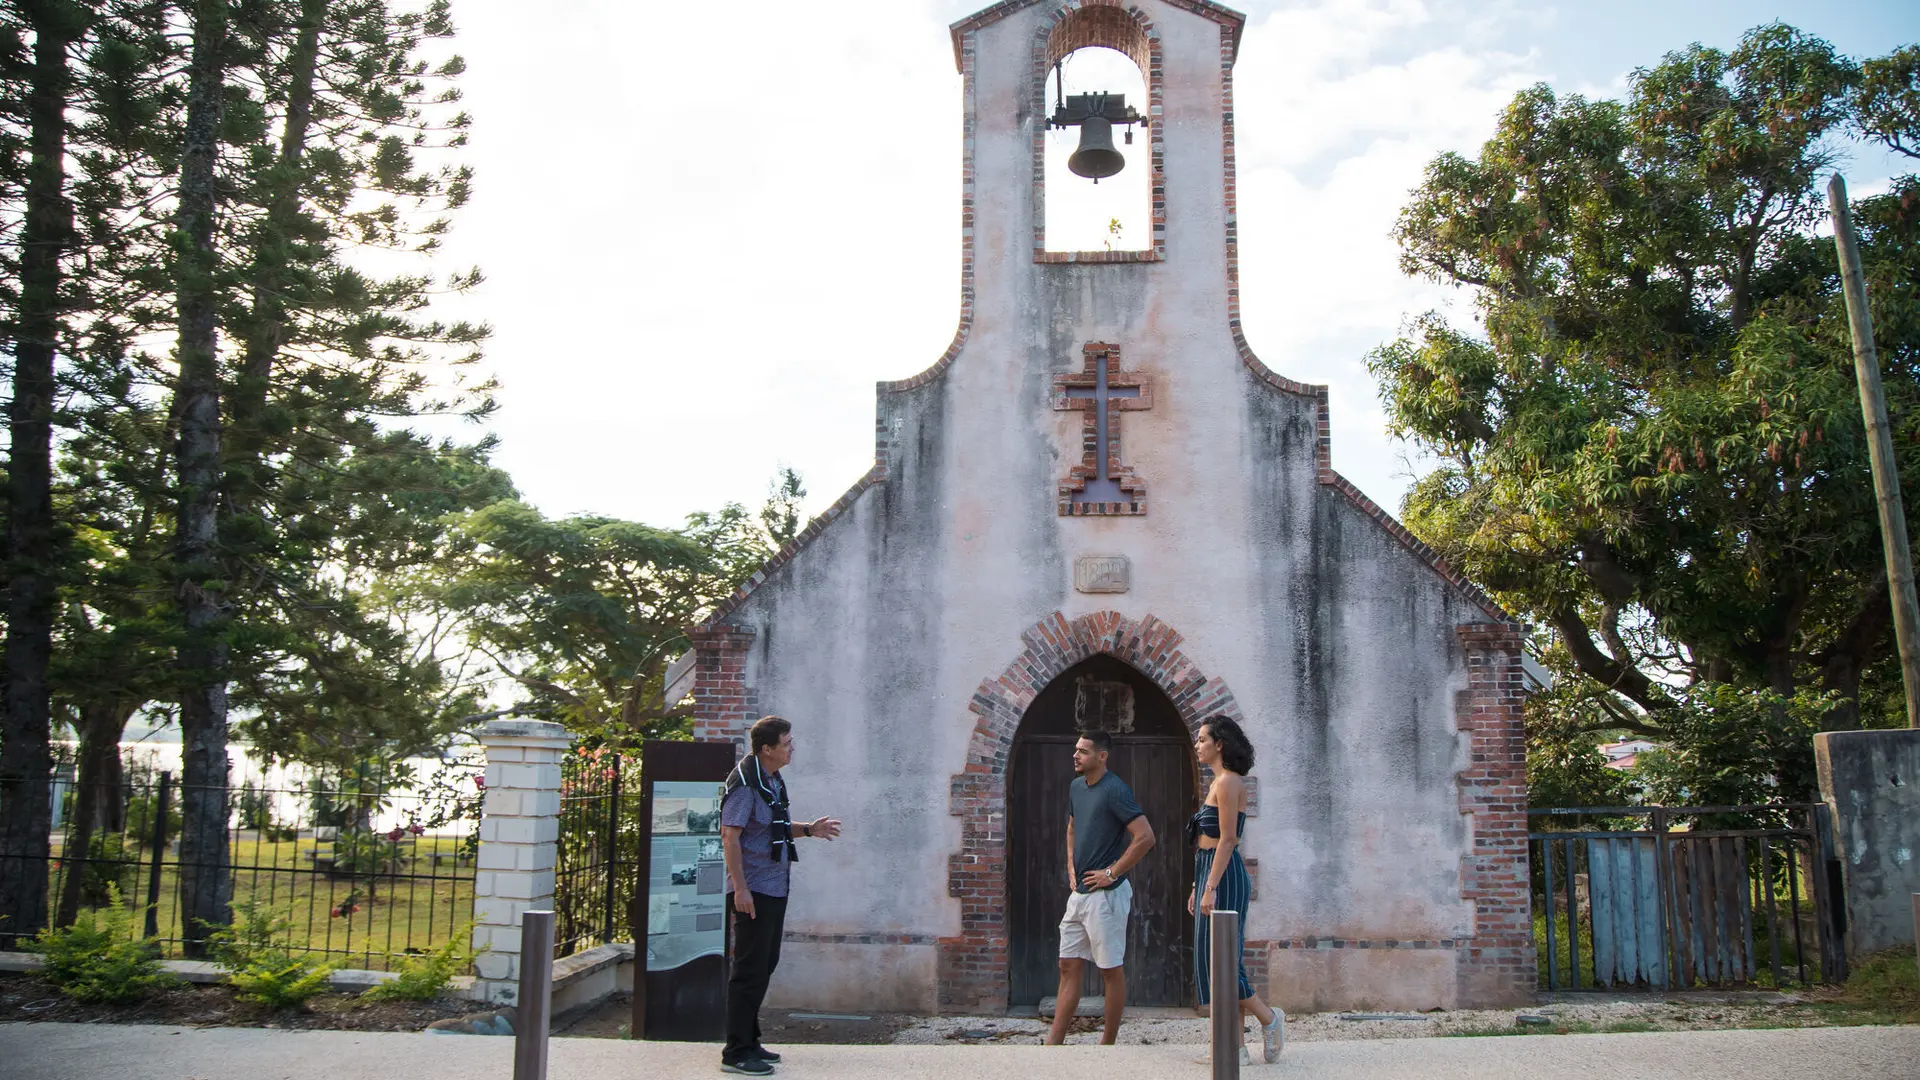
[{"x": 1274, "y": 1035}]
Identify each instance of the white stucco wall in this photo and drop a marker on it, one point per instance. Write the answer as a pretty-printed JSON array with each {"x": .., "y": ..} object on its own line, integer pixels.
[{"x": 1337, "y": 641}]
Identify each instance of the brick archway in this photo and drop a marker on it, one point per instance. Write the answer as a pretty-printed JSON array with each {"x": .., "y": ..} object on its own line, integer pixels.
[{"x": 973, "y": 964}]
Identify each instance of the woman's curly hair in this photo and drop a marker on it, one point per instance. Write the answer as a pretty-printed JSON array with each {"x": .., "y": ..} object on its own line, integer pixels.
[{"x": 1236, "y": 750}]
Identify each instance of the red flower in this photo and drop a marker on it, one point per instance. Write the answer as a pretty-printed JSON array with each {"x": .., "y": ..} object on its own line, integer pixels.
[
  {"x": 335, "y": 912},
  {"x": 480, "y": 782},
  {"x": 396, "y": 834},
  {"x": 416, "y": 828}
]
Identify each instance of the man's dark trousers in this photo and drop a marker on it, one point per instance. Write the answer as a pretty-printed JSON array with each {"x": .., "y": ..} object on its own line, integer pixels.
[{"x": 756, "y": 952}]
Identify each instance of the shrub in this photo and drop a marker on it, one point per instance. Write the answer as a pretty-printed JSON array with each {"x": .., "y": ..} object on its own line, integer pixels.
[
  {"x": 1882, "y": 988},
  {"x": 261, "y": 963},
  {"x": 141, "y": 810},
  {"x": 98, "y": 959},
  {"x": 359, "y": 853},
  {"x": 110, "y": 868},
  {"x": 427, "y": 976}
]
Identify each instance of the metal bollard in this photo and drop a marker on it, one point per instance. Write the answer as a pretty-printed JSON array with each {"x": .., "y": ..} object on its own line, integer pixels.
[
  {"x": 1223, "y": 964},
  {"x": 536, "y": 996}
]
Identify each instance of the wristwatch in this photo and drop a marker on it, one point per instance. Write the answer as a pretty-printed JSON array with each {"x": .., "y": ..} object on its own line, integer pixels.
[{"x": 1109, "y": 873}]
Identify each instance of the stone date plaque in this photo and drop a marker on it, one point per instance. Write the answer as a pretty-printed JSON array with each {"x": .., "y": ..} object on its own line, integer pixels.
[{"x": 1101, "y": 574}]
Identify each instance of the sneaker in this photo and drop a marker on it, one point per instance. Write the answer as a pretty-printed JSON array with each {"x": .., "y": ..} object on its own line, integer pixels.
[
  {"x": 765, "y": 1055},
  {"x": 1274, "y": 1035},
  {"x": 747, "y": 1067}
]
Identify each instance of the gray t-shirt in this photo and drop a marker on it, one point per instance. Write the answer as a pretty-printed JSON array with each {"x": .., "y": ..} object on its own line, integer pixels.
[{"x": 1101, "y": 814}]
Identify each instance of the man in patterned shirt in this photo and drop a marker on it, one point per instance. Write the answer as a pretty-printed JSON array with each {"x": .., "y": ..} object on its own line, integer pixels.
[{"x": 758, "y": 835}]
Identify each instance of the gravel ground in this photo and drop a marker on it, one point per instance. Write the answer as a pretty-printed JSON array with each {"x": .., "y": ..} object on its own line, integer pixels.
[{"x": 1702, "y": 1014}]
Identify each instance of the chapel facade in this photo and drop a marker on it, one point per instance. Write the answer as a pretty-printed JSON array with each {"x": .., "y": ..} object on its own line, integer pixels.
[{"x": 1100, "y": 509}]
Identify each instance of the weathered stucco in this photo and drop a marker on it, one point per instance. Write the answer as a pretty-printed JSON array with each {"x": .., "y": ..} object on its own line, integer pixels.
[
  {"x": 1337, "y": 637},
  {"x": 1871, "y": 782}
]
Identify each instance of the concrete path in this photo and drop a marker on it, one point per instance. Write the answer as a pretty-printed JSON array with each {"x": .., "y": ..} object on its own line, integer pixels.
[{"x": 90, "y": 1051}]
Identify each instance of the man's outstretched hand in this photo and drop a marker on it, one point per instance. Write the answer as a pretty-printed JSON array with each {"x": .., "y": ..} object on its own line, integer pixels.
[{"x": 825, "y": 828}]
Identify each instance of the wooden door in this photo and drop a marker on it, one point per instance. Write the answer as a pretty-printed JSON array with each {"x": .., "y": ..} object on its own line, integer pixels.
[{"x": 1158, "y": 765}]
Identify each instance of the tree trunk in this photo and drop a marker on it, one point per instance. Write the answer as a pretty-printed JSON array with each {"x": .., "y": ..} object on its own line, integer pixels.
[
  {"x": 1847, "y": 657},
  {"x": 109, "y": 791},
  {"x": 99, "y": 803},
  {"x": 265, "y": 332},
  {"x": 26, "y": 757},
  {"x": 206, "y": 885}
]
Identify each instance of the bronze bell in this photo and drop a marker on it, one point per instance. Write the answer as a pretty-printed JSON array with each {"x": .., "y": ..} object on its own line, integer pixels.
[{"x": 1096, "y": 158}]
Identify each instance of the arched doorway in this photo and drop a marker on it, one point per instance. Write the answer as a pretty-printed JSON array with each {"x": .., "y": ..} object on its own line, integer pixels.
[{"x": 1153, "y": 753}]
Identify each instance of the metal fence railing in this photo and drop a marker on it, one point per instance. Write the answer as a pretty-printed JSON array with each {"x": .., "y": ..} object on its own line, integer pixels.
[
  {"x": 597, "y": 853},
  {"x": 361, "y": 869}
]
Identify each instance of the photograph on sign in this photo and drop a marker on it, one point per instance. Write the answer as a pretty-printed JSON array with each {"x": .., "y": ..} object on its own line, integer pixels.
[
  {"x": 670, "y": 815},
  {"x": 686, "y": 893}
]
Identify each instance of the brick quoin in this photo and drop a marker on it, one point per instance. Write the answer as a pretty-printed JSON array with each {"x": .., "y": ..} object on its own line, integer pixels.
[
  {"x": 723, "y": 705},
  {"x": 1497, "y": 964},
  {"x": 972, "y": 966}
]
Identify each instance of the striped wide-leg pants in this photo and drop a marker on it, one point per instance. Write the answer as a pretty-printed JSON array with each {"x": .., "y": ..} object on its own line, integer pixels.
[{"x": 1234, "y": 894}]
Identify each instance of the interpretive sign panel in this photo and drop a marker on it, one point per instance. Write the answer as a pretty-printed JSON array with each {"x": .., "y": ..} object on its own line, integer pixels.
[{"x": 680, "y": 906}]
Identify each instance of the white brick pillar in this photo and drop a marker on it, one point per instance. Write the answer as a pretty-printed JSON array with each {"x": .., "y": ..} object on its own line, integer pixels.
[{"x": 519, "y": 824}]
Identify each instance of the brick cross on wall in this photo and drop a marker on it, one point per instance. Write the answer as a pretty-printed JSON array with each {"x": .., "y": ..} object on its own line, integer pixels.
[{"x": 1100, "y": 484}]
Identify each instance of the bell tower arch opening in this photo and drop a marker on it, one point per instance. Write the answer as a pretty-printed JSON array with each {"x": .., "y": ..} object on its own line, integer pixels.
[{"x": 1098, "y": 159}]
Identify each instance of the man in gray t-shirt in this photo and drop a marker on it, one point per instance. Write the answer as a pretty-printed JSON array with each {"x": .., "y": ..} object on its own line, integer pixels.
[{"x": 1107, "y": 835}]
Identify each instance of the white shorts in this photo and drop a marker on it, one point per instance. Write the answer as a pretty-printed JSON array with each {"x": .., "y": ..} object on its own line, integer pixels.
[{"x": 1095, "y": 926}]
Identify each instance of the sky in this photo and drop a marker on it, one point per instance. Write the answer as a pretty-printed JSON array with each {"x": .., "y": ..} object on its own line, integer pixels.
[{"x": 707, "y": 230}]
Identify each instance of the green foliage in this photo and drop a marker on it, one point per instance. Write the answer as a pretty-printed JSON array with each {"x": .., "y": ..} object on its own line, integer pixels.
[
  {"x": 584, "y": 613},
  {"x": 110, "y": 870},
  {"x": 141, "y": 813},
  {"x": 261, "y": 962},
  {"x": 780, "y": 517},
  {"x": 427, "y": 976},
  {"x": 1654, "y": 451},
  {"x": 1734, "y": 746},
  {"x": 99, "y": 959},
  {"x": 256, "y": 812},
  {"x": 364, "y": 853},
  {"x": 1565, "y": 767},
  {"x": 1881, "y": 988},
  {"x": 1888, "y": 100}
]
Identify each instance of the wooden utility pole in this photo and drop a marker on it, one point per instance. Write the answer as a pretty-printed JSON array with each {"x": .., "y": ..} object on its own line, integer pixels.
[{"x": 1886, "y": 474}]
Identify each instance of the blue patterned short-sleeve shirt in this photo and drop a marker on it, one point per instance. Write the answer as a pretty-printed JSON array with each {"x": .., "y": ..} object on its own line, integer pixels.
[{"x": 745, "y": 810}]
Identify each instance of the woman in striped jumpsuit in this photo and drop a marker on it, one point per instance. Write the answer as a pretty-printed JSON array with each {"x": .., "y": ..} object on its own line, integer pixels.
[{"x": 1219, "y": 874}]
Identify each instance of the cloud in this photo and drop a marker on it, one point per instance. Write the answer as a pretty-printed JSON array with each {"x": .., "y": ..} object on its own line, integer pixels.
[
  {"x": 707, "y": 236},
  {"x": 1340, "y": 106}
]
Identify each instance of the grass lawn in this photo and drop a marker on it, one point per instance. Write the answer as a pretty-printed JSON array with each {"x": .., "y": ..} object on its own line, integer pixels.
[
  {"x": 1881, "y": 989},
  {"x": 416, "y": 908}
]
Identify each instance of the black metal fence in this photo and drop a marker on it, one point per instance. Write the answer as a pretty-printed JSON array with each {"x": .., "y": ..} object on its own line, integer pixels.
[
  {"x": 1664, "y": 898},
  {"x": 594, "y": 871},
  {"x": 360, "y": 868}
]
